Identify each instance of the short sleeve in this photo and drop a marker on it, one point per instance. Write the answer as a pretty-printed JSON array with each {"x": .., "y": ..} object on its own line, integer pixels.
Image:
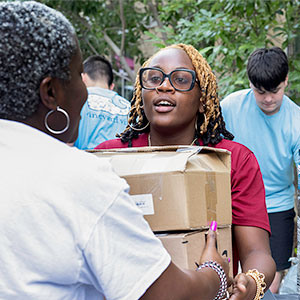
[
  {"x": 248, "y": 193},
  {"x": 296, "y": 154},
  {"x": 123, "y": 257}
]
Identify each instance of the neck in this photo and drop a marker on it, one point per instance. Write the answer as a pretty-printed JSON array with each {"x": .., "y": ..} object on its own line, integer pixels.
[
  {"x": 98, "y": 84},
  {"x": 155, "y": 139}
]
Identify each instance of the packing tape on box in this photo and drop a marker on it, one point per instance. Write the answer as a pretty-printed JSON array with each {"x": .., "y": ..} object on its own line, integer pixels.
[{"x": 211, "y": 196}]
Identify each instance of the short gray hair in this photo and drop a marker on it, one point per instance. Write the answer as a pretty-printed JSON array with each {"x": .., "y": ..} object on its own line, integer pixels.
[{"x": 36, "y": 42}]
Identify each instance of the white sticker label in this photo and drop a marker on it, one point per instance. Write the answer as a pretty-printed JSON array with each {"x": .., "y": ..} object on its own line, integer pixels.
[{"x": 145, "y": 203}]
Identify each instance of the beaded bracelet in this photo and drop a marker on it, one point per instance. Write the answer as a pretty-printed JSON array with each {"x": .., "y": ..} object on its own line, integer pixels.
[
  {"x": 260, "y": 283},
  {"x": 223, "y": 282}
]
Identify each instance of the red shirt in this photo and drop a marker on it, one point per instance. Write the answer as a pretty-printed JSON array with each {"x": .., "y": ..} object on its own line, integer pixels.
[{"x": 247, "y": 188}]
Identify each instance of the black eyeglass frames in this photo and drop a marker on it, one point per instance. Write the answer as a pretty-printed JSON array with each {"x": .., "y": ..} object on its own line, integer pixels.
[{"x": 182, "y": 80}]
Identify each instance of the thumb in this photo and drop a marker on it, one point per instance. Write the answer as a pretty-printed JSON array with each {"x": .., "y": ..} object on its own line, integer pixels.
[{"x": 211, "y": 238}]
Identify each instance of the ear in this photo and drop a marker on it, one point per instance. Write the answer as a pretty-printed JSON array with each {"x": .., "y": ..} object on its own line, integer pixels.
[
  {"x": 84, "y": 78},
  {"x": 47, "y": 93},
  {"x": 286, "y": 81},
  {"x": 112, "y": 86},
  {"x": 201, "y": 108}
]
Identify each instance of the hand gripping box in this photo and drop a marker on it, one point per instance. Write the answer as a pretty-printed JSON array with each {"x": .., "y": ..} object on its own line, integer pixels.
[
  {"x": 185, "y": 248},
  {"x": 177, "y": 187}
]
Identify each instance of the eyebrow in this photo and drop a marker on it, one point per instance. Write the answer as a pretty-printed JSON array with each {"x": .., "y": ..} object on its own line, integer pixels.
[
  {"x": 158, "y": 67},
  {"x": 275, "y": 90}
]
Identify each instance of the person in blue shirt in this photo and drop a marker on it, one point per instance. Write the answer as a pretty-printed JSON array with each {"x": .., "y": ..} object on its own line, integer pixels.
[
  {"x": 105, "y": 112},
  {"x": 268, "y": 122}
]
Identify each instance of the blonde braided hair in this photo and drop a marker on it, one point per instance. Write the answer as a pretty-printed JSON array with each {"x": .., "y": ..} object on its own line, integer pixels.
[{"x": 210, "y": 124}]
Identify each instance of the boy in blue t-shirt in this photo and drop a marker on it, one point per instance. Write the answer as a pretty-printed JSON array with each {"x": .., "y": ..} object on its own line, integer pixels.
[{"x": 268, "y": 122}]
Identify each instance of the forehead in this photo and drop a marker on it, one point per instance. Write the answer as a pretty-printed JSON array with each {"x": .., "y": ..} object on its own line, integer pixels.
[{"x": 170, "y": 59}]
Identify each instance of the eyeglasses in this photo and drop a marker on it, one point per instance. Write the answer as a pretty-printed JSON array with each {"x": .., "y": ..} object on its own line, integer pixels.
[{"x": 182, "y": 80}]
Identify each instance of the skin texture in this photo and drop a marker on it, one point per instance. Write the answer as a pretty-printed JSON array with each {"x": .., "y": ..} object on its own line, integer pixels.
[
  {"x": 176, "y": 122},
  {"x": 69, "y": 95},
  {"x": 269, "y": 101},
  {"x": 175, "y": 125},
  {"x": 96, "y": 83}
]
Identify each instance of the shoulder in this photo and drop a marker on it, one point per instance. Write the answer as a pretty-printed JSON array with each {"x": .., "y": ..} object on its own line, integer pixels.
[
  {"x": 235, "y": 104},
  {"x": 122, "y": 101},
  {"x": 111, "y": 144},
  {"x": 292, "y": 107},
  {"x": 239, "y": 152},
  {"x": 236, "y": 96},
  {"x": 233, "y": 147},
  {"x": 122, "y": 98}
]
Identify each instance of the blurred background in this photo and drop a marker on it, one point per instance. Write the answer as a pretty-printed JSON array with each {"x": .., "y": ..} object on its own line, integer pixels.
[{"x": 224, "y": 31}]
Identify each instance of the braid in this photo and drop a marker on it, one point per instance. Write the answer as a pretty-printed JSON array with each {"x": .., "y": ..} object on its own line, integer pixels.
[
  {"x": 136, "y": 117},
  {"x": 210, "y": 125}
]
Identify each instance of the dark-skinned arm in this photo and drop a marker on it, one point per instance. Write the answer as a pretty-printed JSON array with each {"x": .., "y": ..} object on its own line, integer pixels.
[
  {"x": 255, "y": 253},
  {"x": 177, "y": 284}
]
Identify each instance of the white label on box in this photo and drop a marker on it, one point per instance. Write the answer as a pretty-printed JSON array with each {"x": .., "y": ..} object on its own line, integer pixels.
[{"x": 145, "y": 203}]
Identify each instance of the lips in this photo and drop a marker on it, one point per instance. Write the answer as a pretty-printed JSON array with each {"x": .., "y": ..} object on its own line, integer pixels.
[{"x": 164, "y": 105}]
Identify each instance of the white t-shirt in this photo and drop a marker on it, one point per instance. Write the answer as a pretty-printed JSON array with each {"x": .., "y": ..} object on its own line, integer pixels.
[{"x": 68, "y": 228}]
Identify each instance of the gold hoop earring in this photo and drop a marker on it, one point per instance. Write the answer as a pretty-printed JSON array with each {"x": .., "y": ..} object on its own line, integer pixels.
[
  {"x": 205, "y": 119},
  {"x": 196, "y": 125},
  {"x": 139, "y": 129},
  {"x": 136, "y": 129}
]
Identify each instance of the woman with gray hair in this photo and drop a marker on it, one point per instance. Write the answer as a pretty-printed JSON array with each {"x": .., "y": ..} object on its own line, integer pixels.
[{"x": 68, "y": 228}]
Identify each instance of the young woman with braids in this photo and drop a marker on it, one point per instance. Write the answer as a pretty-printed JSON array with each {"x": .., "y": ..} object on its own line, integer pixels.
[{"x": 176, "y": 103}]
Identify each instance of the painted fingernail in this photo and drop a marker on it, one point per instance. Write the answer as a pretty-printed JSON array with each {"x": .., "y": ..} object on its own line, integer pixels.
[{"x": 213, "y": 225}]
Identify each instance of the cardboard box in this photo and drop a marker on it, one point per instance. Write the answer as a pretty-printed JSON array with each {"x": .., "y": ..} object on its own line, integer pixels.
[
  {"x": 186, "y": 248},
  {"x": 179, "y": 187}
]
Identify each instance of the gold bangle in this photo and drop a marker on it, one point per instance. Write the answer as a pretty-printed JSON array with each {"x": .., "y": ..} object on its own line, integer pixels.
[{"x": 260, "y": 283}]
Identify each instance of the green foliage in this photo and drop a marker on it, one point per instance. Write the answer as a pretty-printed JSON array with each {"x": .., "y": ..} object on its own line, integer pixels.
[
  {"x": 93, "y": 19},
  {"x": 227, "y": 31}
]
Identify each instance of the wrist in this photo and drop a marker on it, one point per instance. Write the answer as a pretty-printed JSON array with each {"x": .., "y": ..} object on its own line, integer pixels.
[
  {"x": 222, "y": 293},
  {"x": 260, "y": 285}
]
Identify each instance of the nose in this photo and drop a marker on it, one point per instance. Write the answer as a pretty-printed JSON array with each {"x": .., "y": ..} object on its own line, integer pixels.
[
  {"x": 268, "y": 97},
  {"x": 165, "y": 86}
]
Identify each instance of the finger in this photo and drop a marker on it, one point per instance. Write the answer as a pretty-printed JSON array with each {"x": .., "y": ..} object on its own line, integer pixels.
[
  {"x": 211, "y": 238},
  {"x": 238, "y": 292},
  {"x": 241, "y": 280},
  {"x": 240, "y": 285}
]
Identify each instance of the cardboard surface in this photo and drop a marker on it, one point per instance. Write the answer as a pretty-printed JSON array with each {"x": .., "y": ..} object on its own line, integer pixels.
[
  {"x": 177, "y": 187},
  {"x": 186, "y": 248}
]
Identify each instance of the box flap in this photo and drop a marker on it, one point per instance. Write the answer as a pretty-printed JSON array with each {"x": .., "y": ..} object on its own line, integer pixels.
[
  {"x": 149, "y": 160},
  {"x": 178, "y": 148}
]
